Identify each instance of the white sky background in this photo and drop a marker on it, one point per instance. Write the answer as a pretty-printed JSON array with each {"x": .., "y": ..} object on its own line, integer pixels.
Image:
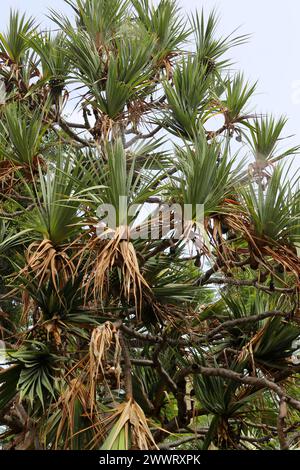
[{"x": 272, "y": 55}]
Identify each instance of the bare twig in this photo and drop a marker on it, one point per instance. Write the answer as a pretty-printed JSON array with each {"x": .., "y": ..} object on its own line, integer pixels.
[{"x": 16, "y": 213}]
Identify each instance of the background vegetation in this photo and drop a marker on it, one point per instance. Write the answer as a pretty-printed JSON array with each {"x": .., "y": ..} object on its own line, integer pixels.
[{"x": 121, "y": 343}]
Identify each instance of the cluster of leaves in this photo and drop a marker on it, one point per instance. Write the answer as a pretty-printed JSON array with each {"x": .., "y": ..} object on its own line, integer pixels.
[{"x": 117, "y": 341}]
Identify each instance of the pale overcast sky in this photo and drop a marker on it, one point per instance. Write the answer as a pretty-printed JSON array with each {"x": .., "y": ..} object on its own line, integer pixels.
[{"x": 272, "y": 55}]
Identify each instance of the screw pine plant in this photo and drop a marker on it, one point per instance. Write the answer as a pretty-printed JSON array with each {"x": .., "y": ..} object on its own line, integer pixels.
[{"x": 120, "y": 341}]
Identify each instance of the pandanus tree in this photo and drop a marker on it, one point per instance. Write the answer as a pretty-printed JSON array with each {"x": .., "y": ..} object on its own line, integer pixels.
[{"x": 117, "y": 333}]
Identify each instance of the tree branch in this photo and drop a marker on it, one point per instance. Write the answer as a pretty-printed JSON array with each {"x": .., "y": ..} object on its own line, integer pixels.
[
  {"x": 284, "y": 445},
  {"x": 179, "y": 442},
  {"x": 241, "y": 321},
  {"x": 143, "y": 136},
  {"x": 127, "y": 368},
  {"x": 249, "y": 283},
  {"x": 260, "y": 382},
  {"x": 73, "y": 135}
]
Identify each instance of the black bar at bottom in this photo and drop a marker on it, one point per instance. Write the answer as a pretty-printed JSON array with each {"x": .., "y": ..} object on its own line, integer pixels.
[{"x": 141, "y": 459}]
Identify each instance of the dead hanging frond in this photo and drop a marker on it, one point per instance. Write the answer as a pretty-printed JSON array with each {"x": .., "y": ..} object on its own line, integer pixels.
[
  {"x": 103, "y": 127},
  {"x": 74, "y": 392},
  {"x": 71, "y": 419},
  {"x": 286, "y": 257},
  {"x": 7, "y": 176},
  {"x": 247, "y": 352},
  {"x": 45, "y": 262},
  {"x": 115, "y": 252},
  {"x": 136, "y": 111},
  {"x": 104, "y": 339},
  {"x": 27, "y": 305},
  {"x": 263, "y": 248},
  {"x": 127, "y": 428},
  {"x": 154, "y": 310}
]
